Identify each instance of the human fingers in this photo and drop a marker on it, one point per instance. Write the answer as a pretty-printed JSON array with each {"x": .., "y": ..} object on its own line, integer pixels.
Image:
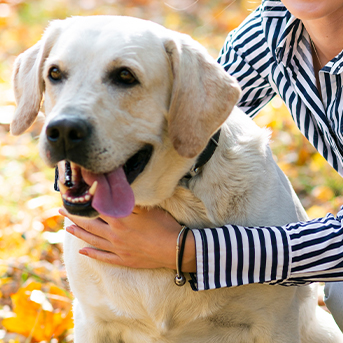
[
  {"x": 148, "y": 220},
  {"x": 94, "y": 240},
  {"x": 137, "y": 209},
  {"x": 101, "y": 255},
  {"x": 97, "y": 227}
]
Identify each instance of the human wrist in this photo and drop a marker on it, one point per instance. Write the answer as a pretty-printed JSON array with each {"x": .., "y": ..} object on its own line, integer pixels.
[{"x": 189, "y": 255}]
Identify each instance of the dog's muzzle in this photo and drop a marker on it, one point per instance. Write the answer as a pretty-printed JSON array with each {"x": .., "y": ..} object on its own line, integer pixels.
[
  {"x": 68, "y": 140},
  {"x": 87, "y": 194},
  {"x": 66, "y": 137}
]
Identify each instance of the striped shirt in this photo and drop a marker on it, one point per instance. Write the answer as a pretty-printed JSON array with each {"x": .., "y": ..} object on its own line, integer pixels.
[{"x": 269, "y": 54}]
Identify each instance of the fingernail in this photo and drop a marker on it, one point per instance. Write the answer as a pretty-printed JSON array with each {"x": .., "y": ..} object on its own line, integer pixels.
[
  {"x": 70, "y": 229},
  {"x": 62, "y": 212},
  {"x": 83, "y": 252}
]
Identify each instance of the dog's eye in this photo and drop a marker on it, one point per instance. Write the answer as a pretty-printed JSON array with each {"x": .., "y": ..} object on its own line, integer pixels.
[
  {"x": 123, "y": 77},
  {"x": 126, "y": 76},
  {"x": 55, "y": 74}
]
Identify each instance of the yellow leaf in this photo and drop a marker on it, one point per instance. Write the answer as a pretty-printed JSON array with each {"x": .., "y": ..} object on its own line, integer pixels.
[
  {"x": 317, "y": 162},
  {"x": 32, "y": 320},
  {"x": 323, "y": 193},
  {"x": 5, "y": 280},
  {"x": 172, "y": 20},
  {"x": 316, "y": 212}
]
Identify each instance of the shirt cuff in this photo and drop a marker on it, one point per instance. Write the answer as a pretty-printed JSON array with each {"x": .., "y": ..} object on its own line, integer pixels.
[{"x": 235, "y": 255}]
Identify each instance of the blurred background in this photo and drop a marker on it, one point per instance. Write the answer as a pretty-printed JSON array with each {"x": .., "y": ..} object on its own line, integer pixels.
[{"x": 35, "y": 300}]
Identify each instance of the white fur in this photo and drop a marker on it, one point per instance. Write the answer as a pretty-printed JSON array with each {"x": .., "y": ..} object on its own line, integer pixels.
[{"x": 182, "y": 99}]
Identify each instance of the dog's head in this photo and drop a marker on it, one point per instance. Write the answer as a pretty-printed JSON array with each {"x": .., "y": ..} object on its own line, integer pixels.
[{"x": 127, "y": 101}]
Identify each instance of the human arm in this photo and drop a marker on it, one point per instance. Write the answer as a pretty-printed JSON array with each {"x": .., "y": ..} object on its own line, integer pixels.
[{"x": 295, "y": 253}]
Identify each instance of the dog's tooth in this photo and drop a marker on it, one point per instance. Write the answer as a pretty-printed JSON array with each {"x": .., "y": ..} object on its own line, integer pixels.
[
  {"x": 70, "y": 199},
  {"x": 64, "y": 196},
  {"x": 73, "y": 178},
  {"x": 73, "y": 167},
  {"x": 93, "y": 188},
  {"x": 63, "y": 188},
  {"x": 81, "y": 199},
  {"x": 87, "y": 197}
]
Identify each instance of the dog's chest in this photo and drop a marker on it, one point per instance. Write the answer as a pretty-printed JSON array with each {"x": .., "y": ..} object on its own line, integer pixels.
[{"x": 146, "y": 305}]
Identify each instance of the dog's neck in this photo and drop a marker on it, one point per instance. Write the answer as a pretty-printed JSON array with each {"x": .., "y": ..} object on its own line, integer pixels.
[{"x": 203, "y": 158}]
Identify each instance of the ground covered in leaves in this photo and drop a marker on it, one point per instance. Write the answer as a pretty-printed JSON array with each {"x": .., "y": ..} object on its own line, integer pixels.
[{"x": 35, "y": 301}]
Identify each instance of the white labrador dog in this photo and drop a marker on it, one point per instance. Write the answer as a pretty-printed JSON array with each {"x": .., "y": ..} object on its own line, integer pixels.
[{"x": 132, "y": 105}]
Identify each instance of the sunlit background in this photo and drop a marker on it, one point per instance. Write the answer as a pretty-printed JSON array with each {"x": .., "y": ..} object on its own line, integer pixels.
[{"x": 35, "y": 300}]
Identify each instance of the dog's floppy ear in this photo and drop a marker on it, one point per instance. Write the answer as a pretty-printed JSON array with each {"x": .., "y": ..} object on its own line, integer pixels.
[
  {"x": 202, "y": 98},
  {"x": 28, "y": 81}
]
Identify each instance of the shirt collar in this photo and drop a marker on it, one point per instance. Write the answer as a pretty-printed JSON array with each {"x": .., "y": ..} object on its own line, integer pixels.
[
  {"x": 290, "y": 34},
  {"x": 288, "y": 42},
  {"x": 335, "y": 66}
]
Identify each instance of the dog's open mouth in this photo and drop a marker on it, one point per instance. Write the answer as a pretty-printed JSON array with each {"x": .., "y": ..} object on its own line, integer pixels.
[{"x": 88, "y": 194}]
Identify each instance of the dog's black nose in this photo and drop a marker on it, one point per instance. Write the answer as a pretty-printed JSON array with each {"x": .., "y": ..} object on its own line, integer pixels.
[{"x": 66, "y": 132}]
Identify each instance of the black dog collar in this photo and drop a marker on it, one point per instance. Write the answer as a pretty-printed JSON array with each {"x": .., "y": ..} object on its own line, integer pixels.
[{"x": 204, "y": 156}]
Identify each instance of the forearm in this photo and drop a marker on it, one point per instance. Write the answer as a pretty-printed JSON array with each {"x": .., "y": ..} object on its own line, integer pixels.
[
  {"x": 235, "y": 255},
  {"x": 189, "y": 264},
  {"x": 293, "y": 254},
  {"x": 317, "y": 249}
]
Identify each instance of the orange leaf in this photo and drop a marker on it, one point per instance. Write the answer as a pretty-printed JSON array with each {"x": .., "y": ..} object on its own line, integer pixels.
[{"x": 36, "y": 316}]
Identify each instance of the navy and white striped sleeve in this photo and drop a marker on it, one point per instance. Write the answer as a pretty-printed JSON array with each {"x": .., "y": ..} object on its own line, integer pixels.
[
  {"x": 246, "y": 56},
  {"x": 293, "y": 254}
]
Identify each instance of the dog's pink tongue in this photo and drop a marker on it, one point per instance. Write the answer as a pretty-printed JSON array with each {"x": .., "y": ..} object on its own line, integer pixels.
[{"x": 113, "y": 196}]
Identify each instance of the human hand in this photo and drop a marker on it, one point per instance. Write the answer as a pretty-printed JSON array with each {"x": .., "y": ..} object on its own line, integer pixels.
[{"x": 144, "y": 239}]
